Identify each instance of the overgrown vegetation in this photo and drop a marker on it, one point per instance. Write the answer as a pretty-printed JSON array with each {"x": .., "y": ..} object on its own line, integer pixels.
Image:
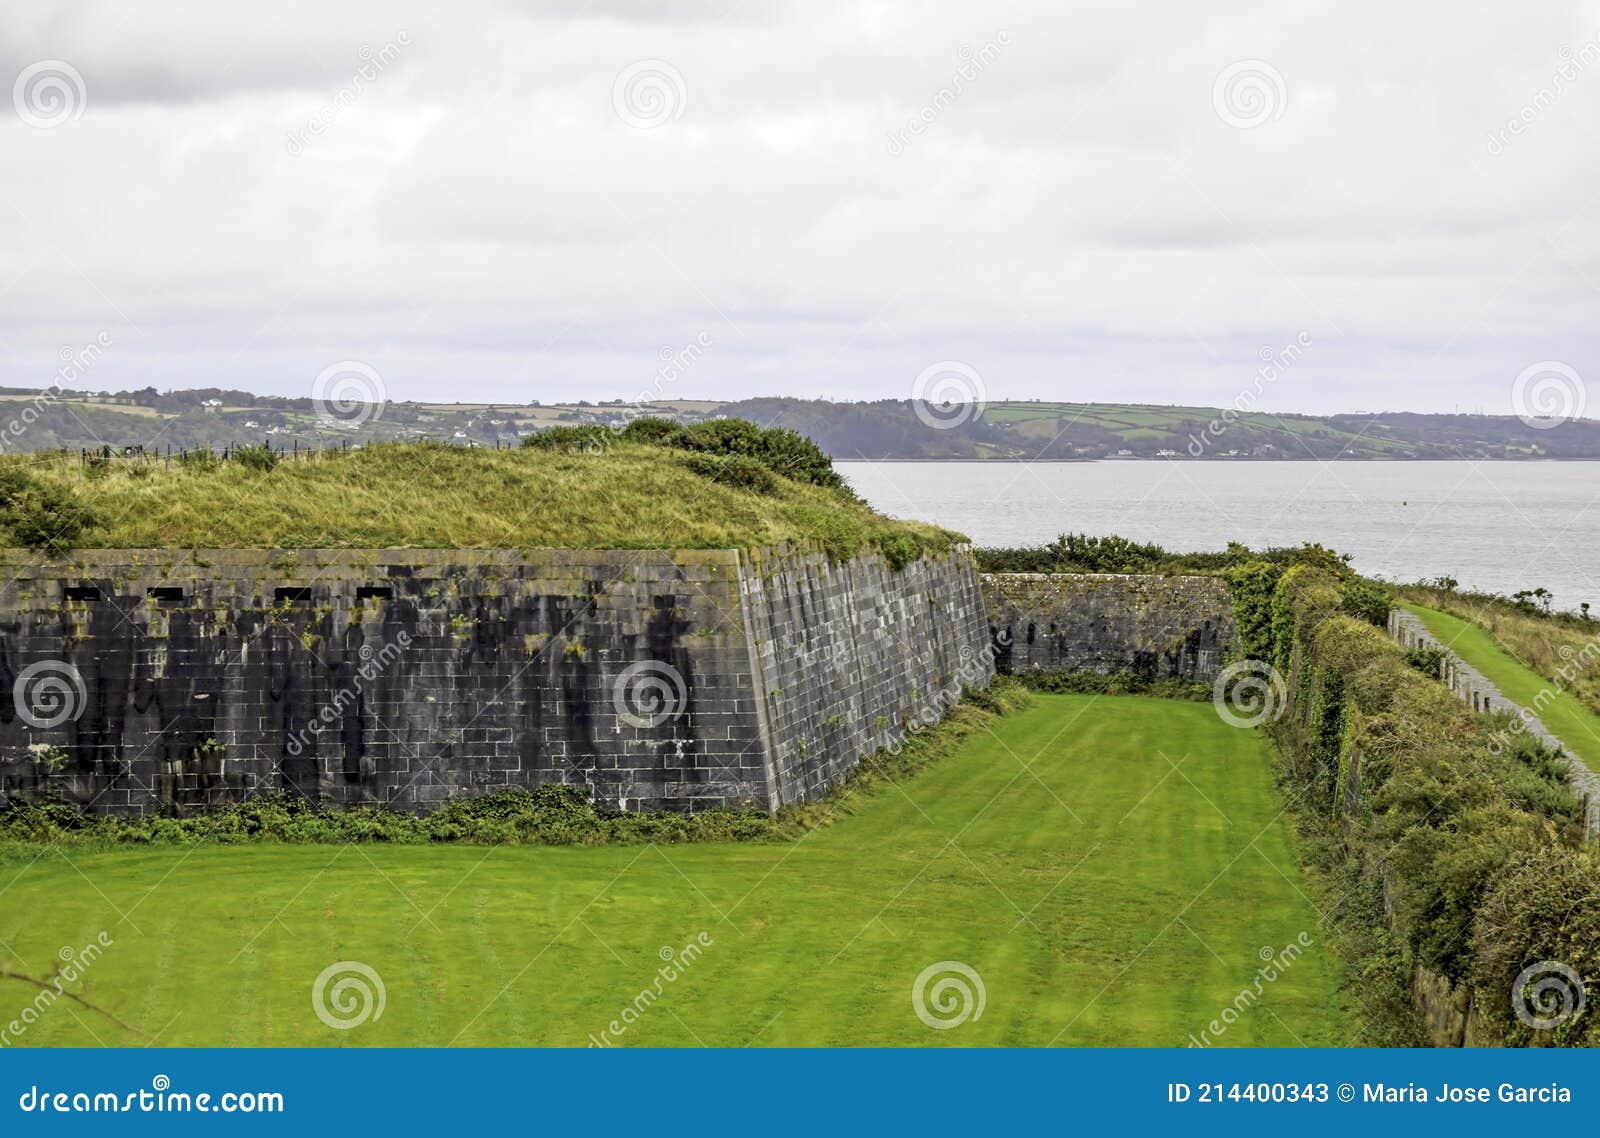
[
  {"x": 728, "y": 486},
  {"x": 1564, "y": 648},
  {"x": 1434, "y": 836},
  {"x": 1085, "y": 553},
  {"x": 40, "y": 514},
  {"x": 1116, "y": 683},
  {"x": 547, "y": 815}
]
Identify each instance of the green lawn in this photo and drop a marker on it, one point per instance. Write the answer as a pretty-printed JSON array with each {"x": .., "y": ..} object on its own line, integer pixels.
[
  {"x": 1111, "y": 867},
  {"x": 1567, "y": 717}
]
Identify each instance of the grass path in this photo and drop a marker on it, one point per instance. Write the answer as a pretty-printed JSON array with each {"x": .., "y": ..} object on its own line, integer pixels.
[
  {"x": 1113, "y": 868},
  {"x": 1567, "y": 717}
]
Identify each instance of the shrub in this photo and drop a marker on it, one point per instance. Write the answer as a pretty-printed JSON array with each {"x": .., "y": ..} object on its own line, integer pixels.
[
  {"x": 1428, "y": 661},
  {"x": 201, "y": 461},
  {"x": 733, "y": 470},
  {"x": 262, "y": 457},
  {"x": 41, "y": 515},
  {"x": 1532, "y": 915},
  {"x": 650, "y": 430},
  {"x": 1366, "y": 600},
  {"x": 587, "y": 439},
  {"x": 780, "y": 450}
]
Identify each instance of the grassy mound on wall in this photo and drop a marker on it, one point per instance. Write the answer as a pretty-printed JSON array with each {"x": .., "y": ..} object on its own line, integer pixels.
[
  {"x": 1453, "y": 855},
  {"x": 618, "y": 495}
]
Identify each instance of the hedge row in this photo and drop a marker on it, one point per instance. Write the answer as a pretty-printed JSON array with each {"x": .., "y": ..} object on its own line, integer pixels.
[{"x": 1450, "y": 855}]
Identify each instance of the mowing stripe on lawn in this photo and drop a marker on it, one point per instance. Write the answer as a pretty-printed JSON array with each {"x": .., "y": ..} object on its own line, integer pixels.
[{"x": 1116, "y": 870}]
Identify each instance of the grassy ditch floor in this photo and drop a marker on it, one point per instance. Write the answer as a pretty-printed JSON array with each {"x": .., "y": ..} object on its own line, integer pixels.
[
  {"x": 1114, "y": 870},
  {"x": 1566, "y": 716}
]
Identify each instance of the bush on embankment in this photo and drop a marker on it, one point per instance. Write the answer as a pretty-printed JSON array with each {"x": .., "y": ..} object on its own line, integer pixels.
[{"x": 1451, "y": 852}]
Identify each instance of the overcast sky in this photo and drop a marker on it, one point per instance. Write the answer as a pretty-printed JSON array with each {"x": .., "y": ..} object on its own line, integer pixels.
[{"x": 543, "y": 201}]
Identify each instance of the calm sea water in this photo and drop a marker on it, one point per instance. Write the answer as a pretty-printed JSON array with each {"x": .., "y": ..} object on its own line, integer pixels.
[{"x": 1498, "y": 526}]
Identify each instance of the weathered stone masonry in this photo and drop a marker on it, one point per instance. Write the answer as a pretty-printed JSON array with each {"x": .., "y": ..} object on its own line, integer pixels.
[
  {"x": 657, "y": 679},
  {"x": 1151, "y": 626}
]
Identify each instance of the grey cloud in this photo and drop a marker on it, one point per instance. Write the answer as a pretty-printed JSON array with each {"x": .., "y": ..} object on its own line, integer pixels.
[{"x": 1074, "y": 218}]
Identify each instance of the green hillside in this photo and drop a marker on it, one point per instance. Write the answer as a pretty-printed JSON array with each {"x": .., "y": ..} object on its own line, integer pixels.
[
  {"x": 870, "y": 430},
  {"x": 626, "y": 496}
]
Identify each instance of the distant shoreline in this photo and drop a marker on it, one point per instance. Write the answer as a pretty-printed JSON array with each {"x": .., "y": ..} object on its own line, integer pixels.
[{"x": 1190, "y": 458}]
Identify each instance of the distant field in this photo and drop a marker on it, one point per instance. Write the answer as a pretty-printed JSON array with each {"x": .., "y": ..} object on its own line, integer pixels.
[
  {"x": 1567, "y": 717},
  {"x": 1146, "y": 424},
  {"x": 1112, "y": 868}
]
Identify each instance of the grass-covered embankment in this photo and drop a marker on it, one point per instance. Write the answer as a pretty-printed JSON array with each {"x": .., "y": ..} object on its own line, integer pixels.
[
  {"x": 1111, "y": 867},
  {"x": 619, "y": 495},
  {"x": 1551, "y": 699}
]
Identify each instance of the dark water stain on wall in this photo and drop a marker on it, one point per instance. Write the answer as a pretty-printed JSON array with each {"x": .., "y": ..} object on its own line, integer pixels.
[{"x": 404, "y": 678}]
